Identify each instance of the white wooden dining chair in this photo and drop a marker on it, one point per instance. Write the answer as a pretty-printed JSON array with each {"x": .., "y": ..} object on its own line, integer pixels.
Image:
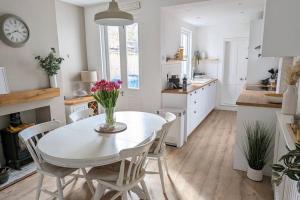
[
  {"x": 125, "y": 175},
  {"x": 30, "y": 137},
  {"x": 82, "y": 114},
  {"x": 158, "y": 148}
]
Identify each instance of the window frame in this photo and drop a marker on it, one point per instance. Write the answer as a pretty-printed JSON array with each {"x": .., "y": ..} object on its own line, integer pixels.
[
  {"x": 189, "y": 33},
  {"x": 123, "y": 55}
]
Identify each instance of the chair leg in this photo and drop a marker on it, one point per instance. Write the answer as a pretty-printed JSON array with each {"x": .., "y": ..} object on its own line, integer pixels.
[
  {"x": 145, "y": 190},
  {"x": 124, "y": 196},
  {"x": 40, "y": 183},
  {"x": 89, "y": 182},
  {"x": 166, "y": 165},
  {"x": 59, "y": 189},
  {"x": 161, "y": 174},
  {"x": 99, "y": 192}
]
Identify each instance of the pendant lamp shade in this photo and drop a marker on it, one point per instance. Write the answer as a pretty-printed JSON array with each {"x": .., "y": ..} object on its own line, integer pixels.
[{"x": 113, "y": 16}]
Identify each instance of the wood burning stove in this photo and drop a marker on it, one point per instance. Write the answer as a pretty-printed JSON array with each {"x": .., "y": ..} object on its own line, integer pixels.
[{"x": 15, "y": 151}]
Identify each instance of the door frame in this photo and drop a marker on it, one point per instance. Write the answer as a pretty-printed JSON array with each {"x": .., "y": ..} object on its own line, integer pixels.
[{"x": 222, "y": 74}]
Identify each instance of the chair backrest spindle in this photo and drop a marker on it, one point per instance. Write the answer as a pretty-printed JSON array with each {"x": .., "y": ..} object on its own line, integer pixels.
[
  {"x": 82, "y": 114},
  {"x": 170, "y": 118},
  {"x": 31, "y": 136},
  {"x": 136, "y": 157}
]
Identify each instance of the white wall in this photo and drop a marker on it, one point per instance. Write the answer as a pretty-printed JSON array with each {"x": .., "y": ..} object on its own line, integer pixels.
[
  {"x": 151, "y": 53},
  {"x": 71, "y": 37},
  {"x": 22, "y": 70},
  {"x": 171, "y": 40},
  {"x": 171, "y": 33},
  {"x": 211, "y": 40}
]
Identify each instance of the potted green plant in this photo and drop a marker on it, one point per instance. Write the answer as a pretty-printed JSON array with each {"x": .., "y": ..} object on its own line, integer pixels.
[
  {"x": 51, "y": 64},
  {"x": 290, "y": 167},
  {"x": 257, "y": 148}
]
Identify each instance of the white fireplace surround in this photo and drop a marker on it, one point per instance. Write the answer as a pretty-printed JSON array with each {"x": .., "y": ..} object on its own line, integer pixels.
[{"x": 57, "y": 112}]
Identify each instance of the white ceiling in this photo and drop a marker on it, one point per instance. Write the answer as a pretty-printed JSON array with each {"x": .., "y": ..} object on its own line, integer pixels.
[
  {"x": 216, "y": 12},
  {"x": 85, "y": 2}
]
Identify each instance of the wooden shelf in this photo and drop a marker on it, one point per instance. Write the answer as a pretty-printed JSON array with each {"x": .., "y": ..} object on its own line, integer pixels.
[
  {"x": 173, "y": 62},
  {"x": 28, "y": 96},
  {"x": 209, "y": 60},
  {"x": 79, "y": 100}
]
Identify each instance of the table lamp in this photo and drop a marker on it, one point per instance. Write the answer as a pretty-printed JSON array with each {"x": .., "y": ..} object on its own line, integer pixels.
[{"x": 89, "y": 77}]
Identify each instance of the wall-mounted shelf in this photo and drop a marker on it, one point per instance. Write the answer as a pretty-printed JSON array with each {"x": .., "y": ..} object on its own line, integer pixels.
[
  {"x": 209, "y": 60},
  {"x": 174, "y": 61},
  {"x": 28, "y": 96}
]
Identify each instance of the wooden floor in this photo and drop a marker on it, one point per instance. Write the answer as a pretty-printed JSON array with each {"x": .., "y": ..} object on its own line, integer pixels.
[{"x": 201, "y": 170}]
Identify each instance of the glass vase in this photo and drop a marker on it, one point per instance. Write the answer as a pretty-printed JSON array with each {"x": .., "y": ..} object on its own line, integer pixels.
[{"x": 110, "y": 118}]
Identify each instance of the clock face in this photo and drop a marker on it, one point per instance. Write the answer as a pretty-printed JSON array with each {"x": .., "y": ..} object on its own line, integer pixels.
[{"x": 14, "y": 31}]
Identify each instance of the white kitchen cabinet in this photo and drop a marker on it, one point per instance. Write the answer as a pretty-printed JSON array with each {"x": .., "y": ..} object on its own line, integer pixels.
[
  {"x": 281, "y": 28},
  {"x": 197, "y": 104}
]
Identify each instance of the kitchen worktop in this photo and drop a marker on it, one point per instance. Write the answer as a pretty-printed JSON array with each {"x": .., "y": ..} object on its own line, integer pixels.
[
  {"x": 256, "y": 99},
  {"x": 190, "y": 88}
]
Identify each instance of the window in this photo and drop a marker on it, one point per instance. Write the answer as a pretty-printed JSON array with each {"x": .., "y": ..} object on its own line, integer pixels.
[
  {"x": 120, "y": 54},
  {"x": 186, "y": 43}
]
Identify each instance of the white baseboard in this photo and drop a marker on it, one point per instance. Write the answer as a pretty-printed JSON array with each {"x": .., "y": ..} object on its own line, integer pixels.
[{"x": 227, "y": 107}]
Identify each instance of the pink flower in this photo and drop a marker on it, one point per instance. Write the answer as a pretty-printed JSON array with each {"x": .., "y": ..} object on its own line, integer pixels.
[
  {"x": 94, "y": 89},
  {"x": 119, "y": 82}
]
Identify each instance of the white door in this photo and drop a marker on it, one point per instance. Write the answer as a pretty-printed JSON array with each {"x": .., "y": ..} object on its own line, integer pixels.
[
  {"x": 235, "y": 69},
  {"x": 121, "y": 60}
]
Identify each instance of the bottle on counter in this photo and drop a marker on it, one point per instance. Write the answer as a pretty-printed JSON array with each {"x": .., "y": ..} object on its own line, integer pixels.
[{"x": 184, "y": 84}]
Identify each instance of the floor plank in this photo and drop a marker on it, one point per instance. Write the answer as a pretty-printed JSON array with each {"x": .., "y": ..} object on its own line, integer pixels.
[{"x": 200, "y": 170}]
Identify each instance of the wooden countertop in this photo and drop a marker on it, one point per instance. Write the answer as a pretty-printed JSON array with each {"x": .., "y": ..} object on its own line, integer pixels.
[
  {"x": 78, "y": 100},
  {"x": 190, "y": 88},
  {"x": 256, "y": 99}
]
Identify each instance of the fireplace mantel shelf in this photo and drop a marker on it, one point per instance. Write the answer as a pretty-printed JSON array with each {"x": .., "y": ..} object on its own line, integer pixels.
[{"x": 28, "y": 96}]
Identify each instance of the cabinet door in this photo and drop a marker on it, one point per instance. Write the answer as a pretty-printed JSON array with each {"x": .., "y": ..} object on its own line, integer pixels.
[
  {"x": 189, "y": 113},
  {"x": 281, "y": 28}
]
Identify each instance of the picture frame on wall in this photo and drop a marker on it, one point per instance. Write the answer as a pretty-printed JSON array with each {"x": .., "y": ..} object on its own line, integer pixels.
[{"x": 4, "y": 89}]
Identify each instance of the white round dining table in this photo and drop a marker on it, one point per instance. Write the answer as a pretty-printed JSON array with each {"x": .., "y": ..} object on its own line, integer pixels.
[{"x": 78, "y": 145}]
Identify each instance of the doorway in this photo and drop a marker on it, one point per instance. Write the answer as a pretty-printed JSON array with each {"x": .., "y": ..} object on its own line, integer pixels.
[{"x": 235, "y": 69}]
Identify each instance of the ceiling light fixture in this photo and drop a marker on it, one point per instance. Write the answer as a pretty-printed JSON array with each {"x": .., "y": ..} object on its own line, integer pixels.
[{"x": 113, "y": 16}]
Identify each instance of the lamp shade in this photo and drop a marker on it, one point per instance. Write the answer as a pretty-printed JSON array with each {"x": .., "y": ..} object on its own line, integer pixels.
[
  {"x": 113, "y": 16},
  {"x": 89, "y": 76}
]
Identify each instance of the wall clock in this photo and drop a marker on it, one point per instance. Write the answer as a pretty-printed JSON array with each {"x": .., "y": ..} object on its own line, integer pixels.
[{"x": 13, "y": 30}]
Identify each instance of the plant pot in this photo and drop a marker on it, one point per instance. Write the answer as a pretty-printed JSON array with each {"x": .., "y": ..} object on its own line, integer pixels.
[
  {"x": 53, "y": 81},
  {"x": 289, "y": 102},
  {"x": 254, "y": 175},
  {"x": 4, "y": 175}
]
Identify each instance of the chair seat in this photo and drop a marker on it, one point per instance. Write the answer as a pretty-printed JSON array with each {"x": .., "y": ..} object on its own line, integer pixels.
[
  {"x": 109, "y": 173},
  {"x": 60, "y": 172}
]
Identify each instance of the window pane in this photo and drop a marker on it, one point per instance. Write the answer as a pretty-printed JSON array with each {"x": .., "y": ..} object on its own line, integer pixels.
[
  {"x": 184, "y": 44},
  {"x": 132, "y": 45},
  {"x": 114, "y": 52}
]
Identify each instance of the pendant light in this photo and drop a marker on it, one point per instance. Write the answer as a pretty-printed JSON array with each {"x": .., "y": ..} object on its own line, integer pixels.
[{"x": 113, "y": 16}]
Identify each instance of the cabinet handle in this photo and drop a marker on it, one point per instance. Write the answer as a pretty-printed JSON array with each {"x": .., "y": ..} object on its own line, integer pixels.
[
  {"x": 202, "y": 88},
  {"x": 195, "y": 111},
  {"x": 191, "y": 94},
  {"x": 195, "y": 92},
  {"x": 208, "y": 84},
  {"x": 195, "y": 102}
]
